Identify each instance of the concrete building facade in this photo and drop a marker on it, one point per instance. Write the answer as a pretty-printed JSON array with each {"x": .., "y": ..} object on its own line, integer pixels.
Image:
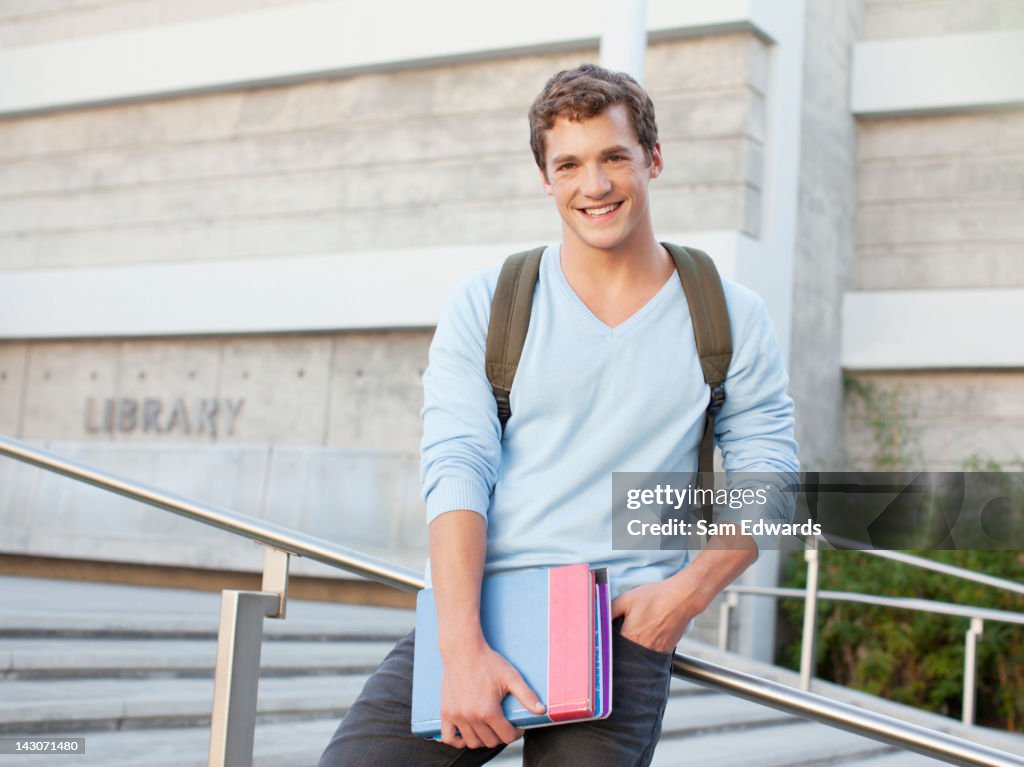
[{"x": 227, "y": 228}]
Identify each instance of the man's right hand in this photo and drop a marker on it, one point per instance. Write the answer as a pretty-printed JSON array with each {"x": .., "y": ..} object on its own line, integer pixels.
[
  {"x": 474, "y": 683},
  {"x": 475, "y": 678}
]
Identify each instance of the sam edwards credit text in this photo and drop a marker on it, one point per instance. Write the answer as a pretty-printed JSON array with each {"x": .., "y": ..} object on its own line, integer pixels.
[{"x": 702, "y": 527}]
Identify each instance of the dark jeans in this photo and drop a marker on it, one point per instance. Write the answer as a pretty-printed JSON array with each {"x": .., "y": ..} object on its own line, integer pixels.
[{"x": 376, "y": 732}]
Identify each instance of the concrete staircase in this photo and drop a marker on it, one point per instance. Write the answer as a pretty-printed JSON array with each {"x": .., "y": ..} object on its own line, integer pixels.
[{"x": 131, "y": 668}]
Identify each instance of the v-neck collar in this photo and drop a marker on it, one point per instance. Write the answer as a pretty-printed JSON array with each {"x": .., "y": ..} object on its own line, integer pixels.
[{"x": 637, "y": 317}]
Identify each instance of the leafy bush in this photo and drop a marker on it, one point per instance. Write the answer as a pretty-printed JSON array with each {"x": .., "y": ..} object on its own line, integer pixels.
[{"x": 913, "y": 657}]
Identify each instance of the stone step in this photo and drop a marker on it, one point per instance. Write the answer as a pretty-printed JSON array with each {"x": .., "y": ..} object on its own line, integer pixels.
[
  {"x": 367, "y": 623},
  {"x": 700, "y": 728},
  {"x": 130, "y": 669},
  {"x": 801, "y": 743},
  {"x": 717, "y": 712},
  {"x": 72, "y": 704},
  {"x": 1009, "y": 742},
  {"x": 76, "y": 705},
  {"x": 896, "y": 758},
  {"x": 41, "y": 607},
  {"x": 278, "y": 744},
  {"x": 25, "y": 658},
  {"x": 298, "y": 744}
]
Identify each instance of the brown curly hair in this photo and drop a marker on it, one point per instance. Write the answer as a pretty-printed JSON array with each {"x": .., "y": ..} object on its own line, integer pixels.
[{"x": 585, "y": 92}]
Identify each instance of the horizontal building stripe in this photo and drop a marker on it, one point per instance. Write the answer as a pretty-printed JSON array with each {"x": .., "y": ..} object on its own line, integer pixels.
[
  {"x": 933, "y": 329},
  {"x": 936, "y": 74},
  {"x": 346, "y": 291},
  {"x": 309, "y": 40}
]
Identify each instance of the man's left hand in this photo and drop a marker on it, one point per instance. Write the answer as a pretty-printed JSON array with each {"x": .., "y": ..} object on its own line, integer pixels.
[{"x": 655, "y": 615}]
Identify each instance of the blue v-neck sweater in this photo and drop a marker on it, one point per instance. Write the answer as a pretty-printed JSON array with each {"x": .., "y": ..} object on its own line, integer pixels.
[{"x": 589, "y": 400}]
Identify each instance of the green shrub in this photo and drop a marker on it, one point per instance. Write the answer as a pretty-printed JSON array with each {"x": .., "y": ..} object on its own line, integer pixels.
[{"x": 913, "y": 657}]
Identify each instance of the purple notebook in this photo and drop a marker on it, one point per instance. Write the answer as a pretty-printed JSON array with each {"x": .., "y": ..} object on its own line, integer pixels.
[{"x": 602, "y": 645}]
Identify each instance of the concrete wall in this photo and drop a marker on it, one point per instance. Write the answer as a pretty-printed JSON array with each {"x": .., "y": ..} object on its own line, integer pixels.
[
  {"x": 31, "y": 22},
  {"x": 327, "y": 433},
  {"x": 939, "y": 206},
  {"x": 942, "y": 421},
  {"x": 367, "y": 162},
  {"x": 357, "y": 391},
  {"x": 939, "y": 201},
  {"x": 362, "y": 499},
  {"x": 318, "y": 433},
  {"x": 884, "y": 19},
  {"x": 827, "y": 213}
]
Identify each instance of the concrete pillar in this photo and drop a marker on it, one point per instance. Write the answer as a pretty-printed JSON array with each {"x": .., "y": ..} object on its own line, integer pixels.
[{"x": 624, "y": 40}]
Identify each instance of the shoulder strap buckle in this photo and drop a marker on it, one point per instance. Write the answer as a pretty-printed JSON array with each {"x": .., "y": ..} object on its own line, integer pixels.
[{"x": 717, "y": 399}]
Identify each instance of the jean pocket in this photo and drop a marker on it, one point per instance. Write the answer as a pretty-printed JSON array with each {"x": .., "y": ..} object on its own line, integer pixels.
[{"x": 636, "y": 647}]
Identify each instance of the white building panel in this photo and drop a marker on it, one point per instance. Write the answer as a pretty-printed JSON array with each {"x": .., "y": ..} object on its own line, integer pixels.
[
  {"x": 933, "y": 329},
  {"x": 928, "y": 74}
]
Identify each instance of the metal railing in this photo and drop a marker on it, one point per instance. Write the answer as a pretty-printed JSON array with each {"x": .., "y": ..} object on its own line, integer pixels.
[
  {"x": 953, "y": 570},
  {"x": 239, "y": 639},
  {"x": 811, "y": 596}
]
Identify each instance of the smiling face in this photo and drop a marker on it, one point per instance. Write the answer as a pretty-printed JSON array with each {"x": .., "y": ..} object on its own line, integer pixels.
[{"x": 598, "y": 173}]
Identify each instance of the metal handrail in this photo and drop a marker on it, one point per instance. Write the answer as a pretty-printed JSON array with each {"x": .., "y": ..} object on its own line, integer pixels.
[
  {"x": 844, "y": 716},
  {"x": 876, "y": 726},
  {"x": 811, "y": 595},
  {"x": 976, "y": 615},
  {"x": 268, "y": 533},
  {"x": 953, "y": 570},
  {"x": 902, "y": 603}
]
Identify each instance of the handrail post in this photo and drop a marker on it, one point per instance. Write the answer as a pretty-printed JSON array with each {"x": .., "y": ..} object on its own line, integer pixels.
[
  {"x": 237, "y": 674},
  {"x": 275, "y": 577},
  {"x": 974, "y": 633},
  {"x": 731, "y": 602},
  {"x": 809, "y": 637}
]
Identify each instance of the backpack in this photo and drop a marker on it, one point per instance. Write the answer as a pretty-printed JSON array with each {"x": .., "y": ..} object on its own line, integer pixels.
[{"x": 510, "y": 321}]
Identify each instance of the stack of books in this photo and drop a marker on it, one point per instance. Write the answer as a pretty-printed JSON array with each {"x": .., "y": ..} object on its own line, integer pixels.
[{"x": 553, "y": 625}]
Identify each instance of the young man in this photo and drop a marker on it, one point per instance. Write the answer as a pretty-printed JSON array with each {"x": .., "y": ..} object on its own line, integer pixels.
[{"x": 609, "y": 381}]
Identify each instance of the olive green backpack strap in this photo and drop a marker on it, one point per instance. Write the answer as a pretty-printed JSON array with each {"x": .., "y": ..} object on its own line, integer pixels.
[
  {"x": 510, "y": 319},
  {"x": 710, "y": 317}
]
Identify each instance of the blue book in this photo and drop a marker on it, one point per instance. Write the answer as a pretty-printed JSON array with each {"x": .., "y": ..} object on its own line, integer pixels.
[{"x": 553, "y": 625}]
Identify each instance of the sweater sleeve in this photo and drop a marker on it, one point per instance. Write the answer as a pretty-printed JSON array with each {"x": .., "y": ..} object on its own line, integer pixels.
[
  {"x": 754, "y": 428},
  {"x": 461, "y": 447}
]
